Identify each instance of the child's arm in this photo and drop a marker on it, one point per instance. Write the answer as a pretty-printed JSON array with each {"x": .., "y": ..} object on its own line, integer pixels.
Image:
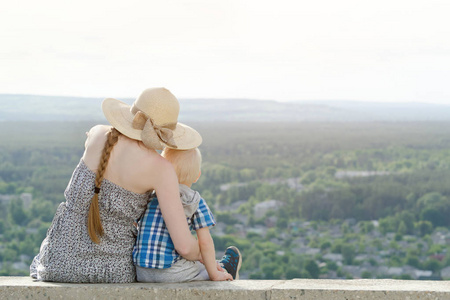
[{"x": 208, "y": 254}]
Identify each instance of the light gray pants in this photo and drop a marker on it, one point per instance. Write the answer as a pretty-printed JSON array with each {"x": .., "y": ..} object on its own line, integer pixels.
[{"x": 181, "y": 271}]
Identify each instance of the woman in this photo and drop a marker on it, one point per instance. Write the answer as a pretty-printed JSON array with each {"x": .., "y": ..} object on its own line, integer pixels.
[{"x": 92, "y": 234}]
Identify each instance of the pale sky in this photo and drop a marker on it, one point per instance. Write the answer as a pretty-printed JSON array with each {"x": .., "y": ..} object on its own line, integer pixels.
[{"x": 383, "y": 50}]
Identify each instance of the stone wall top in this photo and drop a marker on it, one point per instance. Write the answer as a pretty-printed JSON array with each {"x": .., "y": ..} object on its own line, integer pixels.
[{"x": 26, "y": 288}]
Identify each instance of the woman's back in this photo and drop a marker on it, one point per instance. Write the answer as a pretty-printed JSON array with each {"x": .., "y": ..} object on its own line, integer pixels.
[
  {"x": 131, "y": 165},
  {"x": 68, "y": 254}
]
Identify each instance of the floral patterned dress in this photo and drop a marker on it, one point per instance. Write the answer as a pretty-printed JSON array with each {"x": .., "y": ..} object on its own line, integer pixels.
[{"x": 67, "y": 254}]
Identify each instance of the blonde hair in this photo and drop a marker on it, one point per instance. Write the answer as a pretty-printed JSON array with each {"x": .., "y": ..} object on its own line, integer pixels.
[
  {"x": 187, "y": 163},
  {"x": 95, "y": 228}
]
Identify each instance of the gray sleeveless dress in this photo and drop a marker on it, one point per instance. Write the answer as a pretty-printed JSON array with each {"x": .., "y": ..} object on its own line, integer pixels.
[{"x": 67, "y": 254}]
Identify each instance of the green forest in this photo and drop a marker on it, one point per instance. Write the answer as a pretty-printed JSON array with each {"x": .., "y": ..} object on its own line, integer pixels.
[{"x": 300, "y": 200}]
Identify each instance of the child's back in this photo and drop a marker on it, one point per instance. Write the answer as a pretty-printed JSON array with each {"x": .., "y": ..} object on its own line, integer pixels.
[
  {"x": 155, "y": 256},
  {"x": 154, "y": 247}
]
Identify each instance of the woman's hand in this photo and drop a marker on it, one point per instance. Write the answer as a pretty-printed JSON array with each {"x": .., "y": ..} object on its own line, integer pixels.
[
  {"x": 219, "y": 267},
  {"x": 221, "y": 276}
]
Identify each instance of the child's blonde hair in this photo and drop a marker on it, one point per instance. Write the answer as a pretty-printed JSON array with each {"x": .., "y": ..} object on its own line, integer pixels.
[{"x": 187, "y": 163}]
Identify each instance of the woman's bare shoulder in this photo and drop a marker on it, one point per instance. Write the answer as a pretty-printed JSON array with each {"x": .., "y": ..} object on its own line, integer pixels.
[
  {"x": 161, "y": 162},
  {"x": 99, "y": 130},
  {"x": 95, "y": 141},
  {"x": 97, "y": 135},
  {"x": 163, "y": 169}
]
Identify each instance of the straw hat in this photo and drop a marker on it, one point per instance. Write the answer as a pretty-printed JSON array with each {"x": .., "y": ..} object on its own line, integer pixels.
[{"x": 152, "y": 119}]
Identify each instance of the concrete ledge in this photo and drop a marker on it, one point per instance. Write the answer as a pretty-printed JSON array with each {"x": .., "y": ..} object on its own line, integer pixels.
[{"x": 26, "y": 288}]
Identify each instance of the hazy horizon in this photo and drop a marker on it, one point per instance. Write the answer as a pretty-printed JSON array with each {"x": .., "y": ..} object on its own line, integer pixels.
[
  {"x": 58, "y": 108},
  {"x": 305, "y": 101}
]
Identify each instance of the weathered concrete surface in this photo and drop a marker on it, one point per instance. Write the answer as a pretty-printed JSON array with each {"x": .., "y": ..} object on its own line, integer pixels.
[
  {"x": 361, "y": 289},
  {"x": 26, "y": 288}
]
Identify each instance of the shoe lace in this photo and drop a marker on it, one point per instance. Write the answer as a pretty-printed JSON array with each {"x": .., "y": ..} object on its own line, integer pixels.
[{"x": 228, "y": 258}]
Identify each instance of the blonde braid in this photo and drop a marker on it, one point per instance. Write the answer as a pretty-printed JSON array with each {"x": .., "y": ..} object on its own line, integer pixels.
[{"x": 95, "y": 228}]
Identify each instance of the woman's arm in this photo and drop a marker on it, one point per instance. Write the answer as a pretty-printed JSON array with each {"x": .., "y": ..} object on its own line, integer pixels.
[
  {"x": 209, "y": 256},
  {"x": 166, "y": 188}
]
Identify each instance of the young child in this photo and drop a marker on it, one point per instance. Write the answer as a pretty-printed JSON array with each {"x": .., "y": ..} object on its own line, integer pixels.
[{"x": 154, "y": 254}]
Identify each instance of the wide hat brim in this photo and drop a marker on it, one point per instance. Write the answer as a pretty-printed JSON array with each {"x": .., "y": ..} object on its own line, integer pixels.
[{"x": 120, "y": 117}]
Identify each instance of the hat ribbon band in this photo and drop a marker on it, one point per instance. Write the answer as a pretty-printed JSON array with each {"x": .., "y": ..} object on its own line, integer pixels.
[{"x": 152, "y": 134}]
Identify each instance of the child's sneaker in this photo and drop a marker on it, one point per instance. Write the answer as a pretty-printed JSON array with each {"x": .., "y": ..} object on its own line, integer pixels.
[{"x": 232, "y": 261}]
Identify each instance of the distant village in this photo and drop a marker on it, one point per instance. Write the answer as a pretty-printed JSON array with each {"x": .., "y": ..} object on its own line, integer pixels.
[{"x": 370, "y": 261}]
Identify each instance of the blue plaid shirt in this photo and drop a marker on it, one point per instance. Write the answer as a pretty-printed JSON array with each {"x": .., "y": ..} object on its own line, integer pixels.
[{"x": 154, "y": 247}]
